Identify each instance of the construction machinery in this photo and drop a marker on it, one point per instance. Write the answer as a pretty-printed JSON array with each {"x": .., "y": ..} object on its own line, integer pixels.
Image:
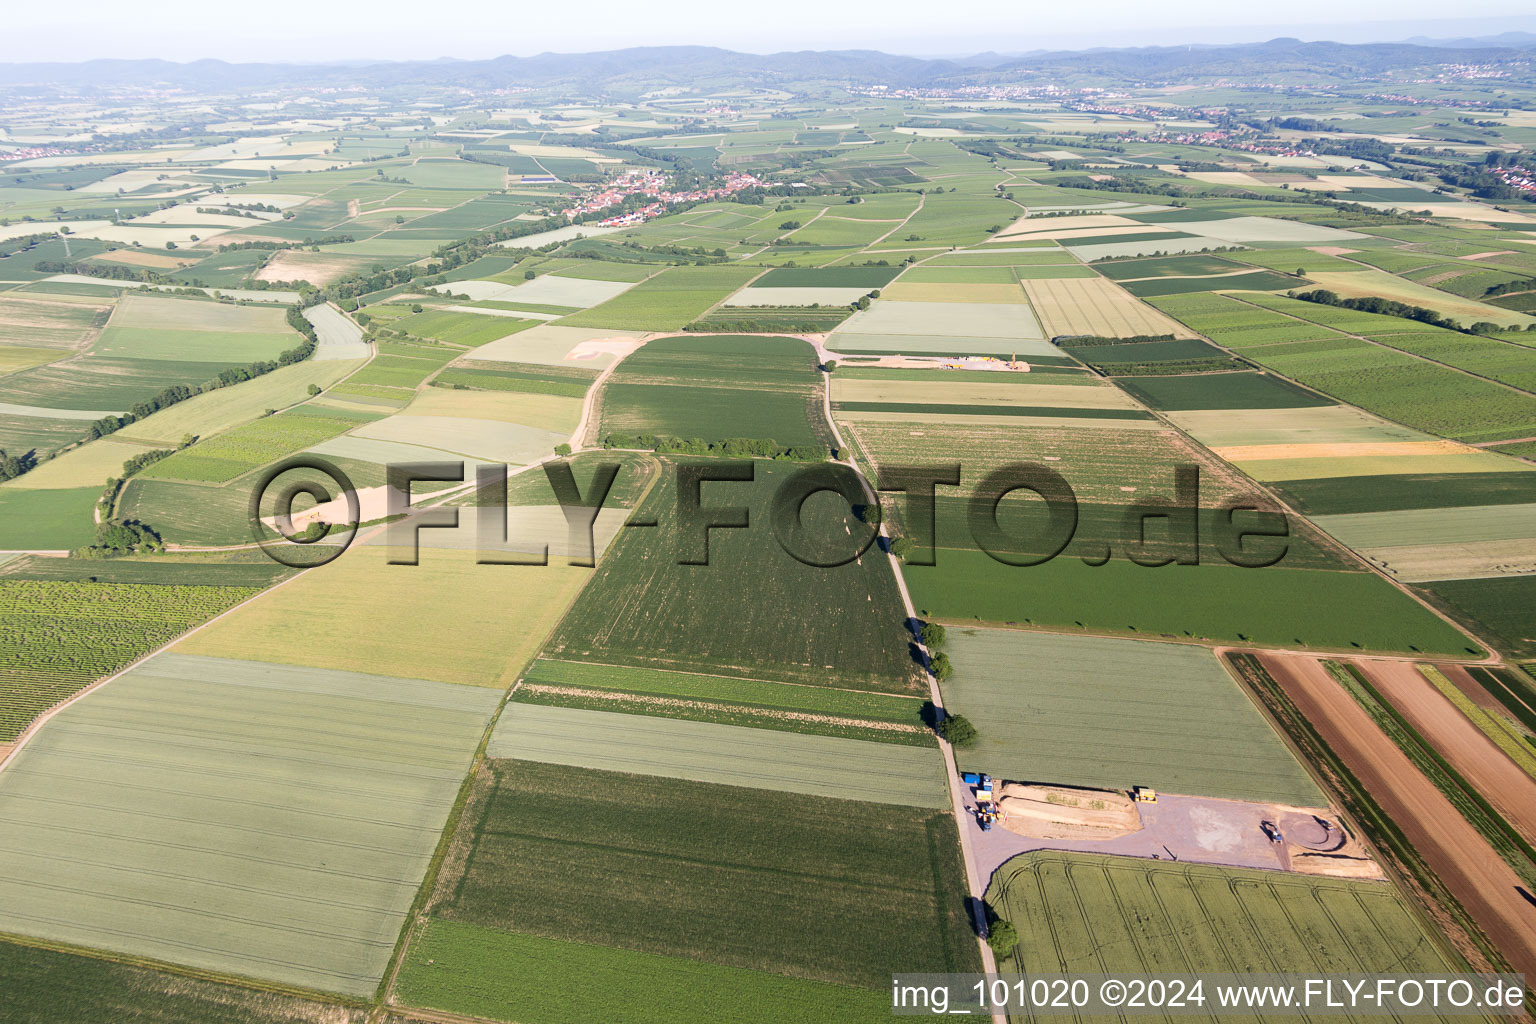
[{"x": 1144, "y": 795}]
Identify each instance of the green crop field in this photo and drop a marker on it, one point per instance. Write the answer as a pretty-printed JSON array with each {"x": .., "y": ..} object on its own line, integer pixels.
[
  {"x": 827, "y": 626},
  {"x": 305, "y": 806},
  {"x": 666, "y": 302},
  {"x": 813, "y": 888},
  {"x": 1221, "y": 391},
  {"x": 1213, "y": 601},
  {"x": 1504, "y": 608},
  {"x": 58, "y": 637},
  {"x": 727, "y": 755},
  {"x": 464, "y": 968},
  {"x": 243, "y": 449},
  {"x": 46, "y": 519},
  {"x": 1393, "y": 384},
  {"x": 39, "y": 983},
  {"x": 717, "y": 386},
  {"x": 1180, "y": 723},
  {"x": 828, "y": 277},
  {"x": 1344, "y": 494},
  {"x": 1086, "y": 913},
  {"x": 767, "y": 705}
]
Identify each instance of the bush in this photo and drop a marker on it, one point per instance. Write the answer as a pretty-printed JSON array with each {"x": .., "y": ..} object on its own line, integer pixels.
[
  {"x": 933, "y": 635},
  {"x": 562, "y": 450},
  {"x": 314, "y": 389},
  {"x": 942, "y": 669},
  {"x": 1003, "y": 937},
  {"x": 957, "y": 730},
  {"x": 901, "y": 547}
]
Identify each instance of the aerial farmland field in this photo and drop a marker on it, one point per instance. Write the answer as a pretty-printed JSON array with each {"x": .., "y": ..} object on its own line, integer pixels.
[
  {"x": 821, "y": 338},
  {"x": 1225, "y": 920}
]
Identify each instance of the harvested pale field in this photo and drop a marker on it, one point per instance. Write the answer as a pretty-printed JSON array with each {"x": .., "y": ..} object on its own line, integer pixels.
[
  {"x": 1340, "y": 450},
  {"x": 546, "y": 412},
  {"x": 318, "y": 268},
  {"x": 1326, "y": 424},
  {"x": 461, "y": 435},
  {"x": 545, "y": 290},
  {"x": 349, "y": 446},
  {"x": 1279, "y": 470},
  {"x": 768, "y": 296},
  {"x": 136, "y": 309},
  {"x": 946, "y": 345},
  {"x": 1357, "y": 284},
  {"x": 1240, "y": 230},
  {"x": 1067, "y": 236},
  {"x": 133, "y": 258},
  {"x": 1046, "y": 227},
  {"x": 941, "y": 391},
  {"x": 729, "y": 755},
  {"x": 1094, "y": 306},
  {"x": 1423, "y": 563},
  {"x": 530, "y": 529},
  {"x": 86, "y": 466},
  {"x": 945, "y": 319},
  {"x": 1225, "y": 178},
  {"x": 237, "y": 817},
  {"x": 37, "y": 322},
  {"x": 1131, "y": 247},
  {"x": 1477, "y": 876},
  {"x": 1471, "y": 524},
  {"x": 548, "y": 345},
  {"x": 922, "y": 291},
  {"x": 448, "y": 618}
]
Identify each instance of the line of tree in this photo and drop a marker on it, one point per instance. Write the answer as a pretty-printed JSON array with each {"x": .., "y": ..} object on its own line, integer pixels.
[
  {"x": 177, "y": 393},
  {"x": 1391, "y": 307},
  {"x": 730, "y": 447}
]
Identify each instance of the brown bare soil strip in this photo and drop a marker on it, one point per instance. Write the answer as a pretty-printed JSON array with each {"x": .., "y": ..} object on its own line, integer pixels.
[
  {"x": 1476, "y": 876},
  {"x": 1468, "y": 749}
]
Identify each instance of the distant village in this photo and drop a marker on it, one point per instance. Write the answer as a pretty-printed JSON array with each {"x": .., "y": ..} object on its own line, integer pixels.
[{"x": 651, "y": 182}]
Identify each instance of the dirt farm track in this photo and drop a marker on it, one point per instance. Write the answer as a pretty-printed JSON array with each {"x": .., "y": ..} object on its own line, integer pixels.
[{"x": 1479, "y": 879}]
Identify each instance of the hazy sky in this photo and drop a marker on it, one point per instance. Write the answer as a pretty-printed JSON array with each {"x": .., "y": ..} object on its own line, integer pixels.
[{"x": 315, "y": 30}]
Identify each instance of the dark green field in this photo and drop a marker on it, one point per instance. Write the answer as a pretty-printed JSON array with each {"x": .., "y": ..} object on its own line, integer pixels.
[
  {"x": 1222, "y": 391},
  {"x": 826, "y": 626},
  {"x": 715, "y": 387},
  {"x": 500, "y": 975},
  {"x": 1505, "y": 608},
  {"x": 1336, "y": 495},
  {"x": 42, "y": 986},
  {"x": 1258, "y": 281},
  {"x": 807, "y": 887},
  {"x": 555, "y": 380},
  {"x": 1216, "y": 602}
]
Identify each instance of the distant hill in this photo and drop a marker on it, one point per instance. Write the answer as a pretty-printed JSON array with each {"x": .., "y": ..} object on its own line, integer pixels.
[{"x": 627, "y": 72}]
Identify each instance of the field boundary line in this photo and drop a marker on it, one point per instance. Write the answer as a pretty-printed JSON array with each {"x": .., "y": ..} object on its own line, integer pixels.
[
  {"x": 31, "y": 730},
  {"x": 951, "y": 769}
]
